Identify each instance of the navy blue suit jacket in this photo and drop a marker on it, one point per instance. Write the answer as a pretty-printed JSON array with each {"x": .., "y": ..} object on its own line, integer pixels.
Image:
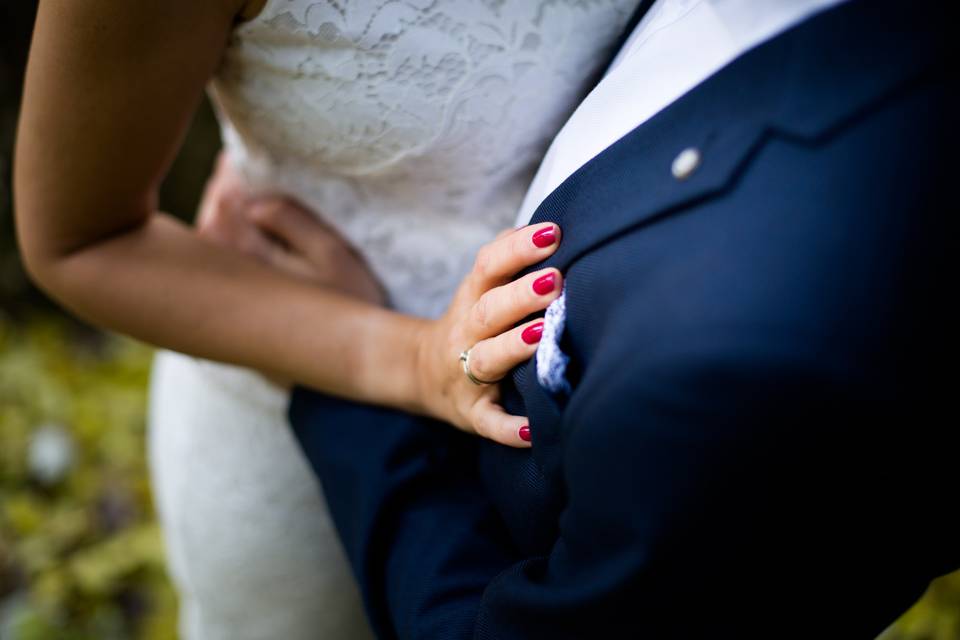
[{"x": 760, "y": 432}]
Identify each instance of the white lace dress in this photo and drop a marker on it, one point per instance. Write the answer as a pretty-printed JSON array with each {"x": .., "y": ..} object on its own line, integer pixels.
[{"x": 414, "y": 128}]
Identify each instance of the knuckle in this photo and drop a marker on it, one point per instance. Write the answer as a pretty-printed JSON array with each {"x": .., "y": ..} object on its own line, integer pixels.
[
  {"x": 247, "y": 244},
  {"x": 481, "y": 312},
  {"x": 519, "y": 245},
  {"x": 268, "y": 213},
  {"x": 214, "y": 216},
  {"x": 496, "y": 429},
  {"x": 483, "y": 263},
  {"x": 213, "y": 229},
  {"x": 513, "y": 348},
  {"x": 498, "y": 353},
  {"x": 479, "y": 422},
  {"x": 521, "y": 294},
  {"x": 513, "y": 351},
  {"x": 489, "y": 426},
  {"x": 478, "y": 363},
  {"x": 205, "y": 228}
]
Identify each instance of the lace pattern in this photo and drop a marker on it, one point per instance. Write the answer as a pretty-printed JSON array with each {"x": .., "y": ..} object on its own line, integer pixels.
[{"x": 412, "y": 127}]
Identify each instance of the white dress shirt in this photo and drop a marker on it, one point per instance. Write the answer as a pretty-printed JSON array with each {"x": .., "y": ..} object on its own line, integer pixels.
[{"x": 677, "y": 45}]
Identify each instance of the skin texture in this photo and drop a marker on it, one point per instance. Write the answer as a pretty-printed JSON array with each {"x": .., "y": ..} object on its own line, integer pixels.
[
  {"x": 283, "y": 234},
  {"x": 110, "y": 89}
]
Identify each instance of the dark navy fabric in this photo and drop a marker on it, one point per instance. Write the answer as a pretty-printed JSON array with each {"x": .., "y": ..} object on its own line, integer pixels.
[{"x": 761, "y": 430}]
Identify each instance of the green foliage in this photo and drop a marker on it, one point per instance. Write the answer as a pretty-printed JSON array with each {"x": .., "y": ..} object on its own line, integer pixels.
[
  {"x": 935, "y": 617},
  {"x": 80, "y": 555}
]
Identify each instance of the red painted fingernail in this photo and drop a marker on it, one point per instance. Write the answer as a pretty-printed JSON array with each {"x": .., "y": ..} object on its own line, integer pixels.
[
  {"x": 525, "y": 433},
  {"x": 545, "y": 237},
  {"x": 545, "y": 284},
  {"x": 533, "y": 333}
]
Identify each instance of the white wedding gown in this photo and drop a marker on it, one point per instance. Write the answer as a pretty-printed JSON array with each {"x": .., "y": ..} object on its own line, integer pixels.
[{"x": 414, "y": 128}]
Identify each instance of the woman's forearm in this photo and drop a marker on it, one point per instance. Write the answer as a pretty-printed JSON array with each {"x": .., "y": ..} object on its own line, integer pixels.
[
  {"x": 161, "y": 283},
  {"x": 110, "y": 89}
]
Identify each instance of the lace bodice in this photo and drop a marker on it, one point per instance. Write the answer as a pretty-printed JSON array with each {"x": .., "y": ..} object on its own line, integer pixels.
[{"x": 412, "y": 127}]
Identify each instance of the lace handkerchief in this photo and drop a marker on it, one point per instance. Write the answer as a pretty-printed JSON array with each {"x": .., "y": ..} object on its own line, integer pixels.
[{"x": 551, "y": 361}]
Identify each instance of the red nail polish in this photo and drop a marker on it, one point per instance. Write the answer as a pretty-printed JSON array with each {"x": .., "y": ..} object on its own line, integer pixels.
[
  {"x": 545, "y": 237},
  {"x": 533, "y": 333},
  {"x": 545, "y": 284},
  {"x": 525, "y": 433}
]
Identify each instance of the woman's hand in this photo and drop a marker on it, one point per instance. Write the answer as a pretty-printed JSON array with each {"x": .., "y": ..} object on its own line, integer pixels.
[
  {"x": 282, "y": 234},
  {"x": 481, "y": 319}
]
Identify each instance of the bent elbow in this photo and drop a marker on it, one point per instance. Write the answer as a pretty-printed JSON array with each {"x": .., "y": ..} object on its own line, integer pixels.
[
  {"x": 41, "y": 256},
  {"x": 37, "y": 259}
]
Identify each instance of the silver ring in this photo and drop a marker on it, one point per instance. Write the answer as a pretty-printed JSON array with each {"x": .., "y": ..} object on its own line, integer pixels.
[{"x": 465, "y": 363}]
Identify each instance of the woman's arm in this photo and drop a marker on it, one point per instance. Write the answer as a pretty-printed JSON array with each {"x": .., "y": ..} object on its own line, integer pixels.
[{"x": 110, "y": 89}]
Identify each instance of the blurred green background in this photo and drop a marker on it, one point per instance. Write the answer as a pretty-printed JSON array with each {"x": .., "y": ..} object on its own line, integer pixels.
[{"x": 80, "y": 552}]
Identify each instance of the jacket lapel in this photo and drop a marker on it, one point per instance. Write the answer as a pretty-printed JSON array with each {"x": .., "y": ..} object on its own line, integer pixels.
[
  {"x": 779, "y": 88},
  {"x": 803, "y": 85}
]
